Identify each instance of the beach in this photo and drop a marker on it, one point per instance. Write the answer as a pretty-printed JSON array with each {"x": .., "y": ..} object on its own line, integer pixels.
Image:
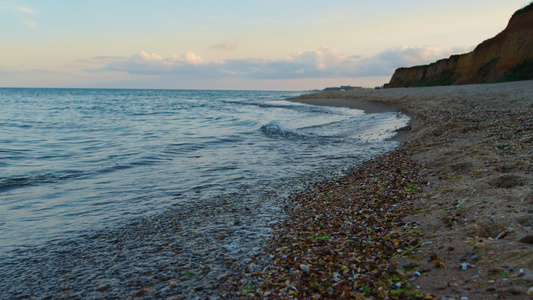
[
  {"x": 447, "y": 214},
  {"x": 444, "y": 214},
  {"x": 123, "y": 193}
]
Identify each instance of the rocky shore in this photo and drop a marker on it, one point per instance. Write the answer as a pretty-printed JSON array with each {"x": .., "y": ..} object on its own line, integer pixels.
[{"x": 447, "y": 215}]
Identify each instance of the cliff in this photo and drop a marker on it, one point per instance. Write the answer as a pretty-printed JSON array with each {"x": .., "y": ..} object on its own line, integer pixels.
[{"x": 506, "y": 57}]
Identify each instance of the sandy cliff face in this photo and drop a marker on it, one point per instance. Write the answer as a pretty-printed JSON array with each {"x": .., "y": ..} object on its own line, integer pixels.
[{"x": 506, "y": 57}]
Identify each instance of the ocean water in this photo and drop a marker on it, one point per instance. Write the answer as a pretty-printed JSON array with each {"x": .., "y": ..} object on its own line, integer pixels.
[{"x": 75, "y": 160}]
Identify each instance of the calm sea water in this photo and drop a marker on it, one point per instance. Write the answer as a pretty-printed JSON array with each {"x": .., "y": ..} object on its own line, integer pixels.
[{"x": 77, "y": 159}]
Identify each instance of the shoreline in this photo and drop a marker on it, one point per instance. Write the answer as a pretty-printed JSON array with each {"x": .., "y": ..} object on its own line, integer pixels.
[
  {"x": 465, "y": 226},
  {"x": 456, "y": 192},
  {"x": 185, "y": 251},
  {"x": 368, "y": 106}
]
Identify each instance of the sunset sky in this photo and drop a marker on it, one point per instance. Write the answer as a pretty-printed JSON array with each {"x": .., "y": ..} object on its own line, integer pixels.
[{"x": 254, "y": 44}]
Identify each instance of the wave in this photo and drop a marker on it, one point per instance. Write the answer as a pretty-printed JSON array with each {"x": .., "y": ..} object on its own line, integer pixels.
[
  {"x": 277, "y": 129},
  {"x": 104, "y": 155},
  {"x": 13, "y": 182},
  {"x": 57, "y": 176}
]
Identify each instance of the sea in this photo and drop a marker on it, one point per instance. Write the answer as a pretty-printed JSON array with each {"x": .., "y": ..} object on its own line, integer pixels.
[{"x": 74, "y": 161}]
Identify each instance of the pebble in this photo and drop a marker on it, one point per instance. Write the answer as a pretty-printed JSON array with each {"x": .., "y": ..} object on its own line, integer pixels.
[
  {"x": 347, "y": 228},
  {"x": 528, "y": 239},
  {"x": 304, "y": 268}
]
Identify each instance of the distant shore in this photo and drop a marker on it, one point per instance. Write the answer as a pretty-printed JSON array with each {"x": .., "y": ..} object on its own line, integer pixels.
[{"x": 465, "y": 227}]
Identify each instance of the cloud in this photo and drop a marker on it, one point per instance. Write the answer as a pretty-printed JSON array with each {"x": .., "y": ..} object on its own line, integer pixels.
[
  {"x": 25, "y": 9},
  {"x": 322, "y": 63},
  {"x": 409, "y": 56},
  {"x": 188, "y": 58},
  {"x": 145, "y": 63},
  {"x": 30, "y": 23},
  {"x": 386, "y": 62},
  {"x": 225, "y": 46},
  {"x": 101, "y": 59}
]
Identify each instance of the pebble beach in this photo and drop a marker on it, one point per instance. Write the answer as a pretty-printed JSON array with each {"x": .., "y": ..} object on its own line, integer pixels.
[{"x": 445, "y": 215}]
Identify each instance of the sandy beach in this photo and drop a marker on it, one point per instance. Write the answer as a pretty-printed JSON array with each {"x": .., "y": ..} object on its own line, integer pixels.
[{"x": 448, "y": 214}]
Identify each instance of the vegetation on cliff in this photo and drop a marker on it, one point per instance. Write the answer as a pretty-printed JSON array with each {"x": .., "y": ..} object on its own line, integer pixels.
[{"x": 523, "y": 10}]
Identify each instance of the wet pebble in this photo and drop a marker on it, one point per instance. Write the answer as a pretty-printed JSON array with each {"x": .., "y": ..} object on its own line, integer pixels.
[{"x": 348, "y": 229}]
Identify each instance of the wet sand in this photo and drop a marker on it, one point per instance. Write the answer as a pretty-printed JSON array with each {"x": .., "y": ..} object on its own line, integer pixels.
[{"x": 448, "y": 214}]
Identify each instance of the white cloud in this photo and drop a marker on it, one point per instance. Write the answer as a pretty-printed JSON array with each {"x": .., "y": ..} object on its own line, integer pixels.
[
  {"x": 322, "y": 63},
  {"x": 25, "y": 9},
  {"x": 144, "y": 63},
  {"x": 30, "y": 23},
  {"x": 404, "y": 56},
  {"x": 408, "y": 56},
  {"x": 144, "y": 56},
  {"x": 188, "y": 57}
]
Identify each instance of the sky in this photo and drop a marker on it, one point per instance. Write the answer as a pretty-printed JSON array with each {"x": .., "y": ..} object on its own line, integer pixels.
[{"x": 243, "y": 45}]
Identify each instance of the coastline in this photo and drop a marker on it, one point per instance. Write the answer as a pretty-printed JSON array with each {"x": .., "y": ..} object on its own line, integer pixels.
[
  {"x": 457, "y": 200},
  {"x": 455, "y": 193}
]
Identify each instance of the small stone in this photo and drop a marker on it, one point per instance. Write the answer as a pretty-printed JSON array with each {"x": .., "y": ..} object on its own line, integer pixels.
[
  {"x": 450, "y": 248},
  {"x": 398, "y": 285},
  {"x": 528, "y": 239},
  {"x": 410, "y": 265},
  {"x": 448, "y": 221},
  {"x": 433, "y": 257},
  {"x": 142, "y": 292},
  {"x": 102, "y": 287},
  {"x": 512, "y": 291},
  {"x": 530, "y": 292},
  {"x": 304, "y": 268}
]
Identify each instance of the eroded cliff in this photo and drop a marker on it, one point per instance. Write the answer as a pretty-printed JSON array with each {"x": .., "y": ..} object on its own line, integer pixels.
[{"x": 506, "y": 57}]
